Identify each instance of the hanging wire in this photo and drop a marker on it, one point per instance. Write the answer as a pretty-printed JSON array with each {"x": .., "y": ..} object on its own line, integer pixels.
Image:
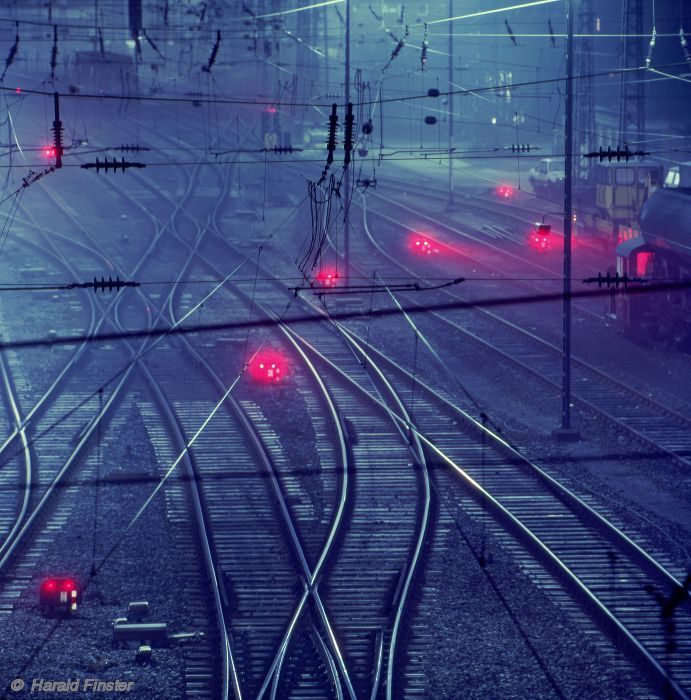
[
  {"x": 482, "y": 559},
  {"x": 97, "y": 481},
  {"x": 412, "y": 389},
  {"x": 9, "y": 219},
  {"x": 249, "y": 317},
  {"x": 11, "y": 56},
  {"x": 369, "y": 319}
]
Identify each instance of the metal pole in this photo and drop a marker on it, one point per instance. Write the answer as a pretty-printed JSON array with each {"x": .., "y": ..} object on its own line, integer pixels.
[
  {"x": 346, "y": 176},
  {"x": 450, "y": 105},
  {"x": 567, "y": 433},
  {"x": 95, "y": 25}
]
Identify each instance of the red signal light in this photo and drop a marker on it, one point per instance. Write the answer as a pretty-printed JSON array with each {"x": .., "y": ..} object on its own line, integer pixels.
[
  {"x": 539, "y": 238},
  {"x": 422, "y": 245},
  {"x": 268, "y": 367},
  {"x": 59, "y": 595},
  {"x": 505, "y": 191},
  {"x": 327, "y": 278},
  {"x": 49, "y": 152},
  {"x": 18, "y": 90}
]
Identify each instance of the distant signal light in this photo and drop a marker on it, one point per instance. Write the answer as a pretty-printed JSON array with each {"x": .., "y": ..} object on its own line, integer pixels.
[
  {"x": 539, "y": 237},
  {"x": 327, "y": 278},
  {"x": 49, "y": 152},
  {"x": 268, "y": 367},
  {"x": 422, "y": 245},
  {"x": 59, "y": 595},
  {"x": 505, "y": 191}
]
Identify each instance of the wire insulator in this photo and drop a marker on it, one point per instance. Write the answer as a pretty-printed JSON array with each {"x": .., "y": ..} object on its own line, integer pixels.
[
  {"x": 349, "y": 126},
  {"x": 685, "y": 46},
  {"x": 612, "y": 280},
  {"x": 425, "y": 46},
  {"x": 57, "y": 132},
  {"x": 106, "y": 165},
  {"x": 109, "y": 285},
  {"x": 331, "y": 143},
  {"x": 651, "y": 46}
]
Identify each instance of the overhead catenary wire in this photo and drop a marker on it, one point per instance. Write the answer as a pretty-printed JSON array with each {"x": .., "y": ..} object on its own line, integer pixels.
[
  {"x": 268, "y": 102},
  {"x": 504, "y": 301}
]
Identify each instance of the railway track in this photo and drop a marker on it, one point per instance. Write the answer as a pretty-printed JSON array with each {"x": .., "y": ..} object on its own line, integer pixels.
[
  {"x": 566, "y": 536},
  {"x": 584, "y": 561},
  {"x": 201, "y": 674},
  {"x": 361, "y": 654},
  {"x": 362, "y": 643},
  {"x": 650, "y": 422},
  {"x": 517, "y": 217},
  {"x": 599, "y": 567}
]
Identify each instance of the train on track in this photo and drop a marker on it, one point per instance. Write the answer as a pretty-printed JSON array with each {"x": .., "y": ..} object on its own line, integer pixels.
[
  {"x": 619, "y": 190},
  {"x": 662, "y": 252}
]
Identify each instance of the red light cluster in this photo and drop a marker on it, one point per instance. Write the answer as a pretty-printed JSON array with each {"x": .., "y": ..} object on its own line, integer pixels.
[
  {"x": 539, "y": 238},
  {"x": 61, "y": 584},
  {"x": 505, "y": 191},
  {"x": 49, "y": 152},
  {"x": 327, "y": 278},
  {"x": 268, "y": 367},
  {"x": 422, "y": 245}
]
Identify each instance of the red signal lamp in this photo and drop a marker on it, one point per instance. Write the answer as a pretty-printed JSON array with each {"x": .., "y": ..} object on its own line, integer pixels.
[
  {"x": 327, "y": 279},
  {"x": 505, "y": 191},
  {"x": 539, "y": 238},
  {"x": 268, "y": 367},
  {"x": 423, "y": 245},
  {"x": 49, "y": 152},
  {"x": 59, "y": 595}
]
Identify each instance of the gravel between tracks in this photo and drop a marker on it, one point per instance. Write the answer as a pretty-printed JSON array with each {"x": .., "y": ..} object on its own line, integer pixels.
[
  {"x": 143, "y": 568},
  {"x": 485, "y": 651}
]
